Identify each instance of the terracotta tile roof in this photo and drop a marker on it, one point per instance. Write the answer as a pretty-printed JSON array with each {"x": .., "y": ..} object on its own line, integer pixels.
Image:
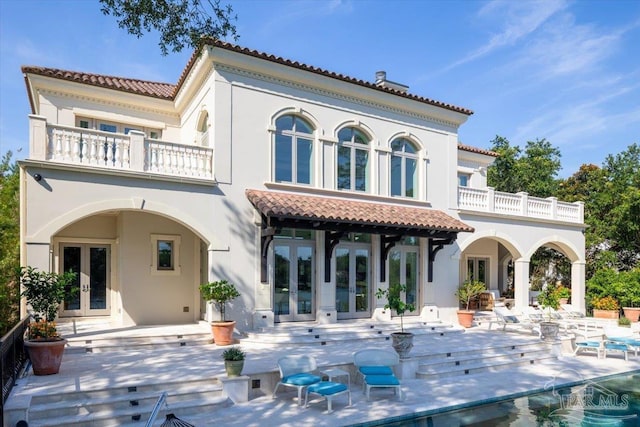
[
  {"x": 169, "y": 91},
  {"x": 140, "y": 87},
  {"x": 346, "y": 211},
  {"x": 477, "y": 150}
]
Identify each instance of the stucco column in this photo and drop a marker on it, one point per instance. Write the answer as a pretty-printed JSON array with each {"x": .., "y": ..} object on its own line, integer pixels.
[
  {"x": 521, "y": 283},
  {"x": 578, "y": 285}
]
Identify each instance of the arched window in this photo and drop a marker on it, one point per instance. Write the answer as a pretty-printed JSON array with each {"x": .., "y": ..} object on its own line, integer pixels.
[
  {"x": 404, "y": 168},
  {"x": 203, "y": 129},
  {"x": 353, "y": 160},
  {"x": 293, "y": 151}
]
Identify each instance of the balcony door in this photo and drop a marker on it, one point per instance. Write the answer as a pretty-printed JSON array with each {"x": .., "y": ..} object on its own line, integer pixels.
[
  {"x": 294, "y": 291},
  {"x": 89, "y": 294}
]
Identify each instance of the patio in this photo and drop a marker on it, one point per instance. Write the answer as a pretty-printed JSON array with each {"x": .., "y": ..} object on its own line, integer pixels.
[{"x": 195, "y": 361}]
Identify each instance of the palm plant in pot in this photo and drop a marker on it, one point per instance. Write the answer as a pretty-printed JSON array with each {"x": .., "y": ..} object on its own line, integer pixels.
[
  {"x": 402, "y": 341},
  {"x": 44, "y": 292},
  {"x": 233, "y": 361},
  {"x": 469, "y": 290},
  {"x": 220, "y": 292}
]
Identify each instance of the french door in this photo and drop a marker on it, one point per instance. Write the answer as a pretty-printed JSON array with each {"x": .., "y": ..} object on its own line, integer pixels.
[
  {"x": 88, "y": 295},
  {"x": 294, "y": 290},
  {"x": 353, "y": 278},
  {"x": 403, "y": 269}
]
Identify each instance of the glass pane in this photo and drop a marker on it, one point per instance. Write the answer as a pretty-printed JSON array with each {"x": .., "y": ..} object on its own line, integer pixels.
[
  {"x": 409, "y": 147},
  {"x": 305, "y": 277},
  {"x": 482, "y": 270},
  {"x": 396, "y": 176},
  {"x": 362, "y": 280},
  {"x": 283, "y": 158},
  {"x": 344, "y": 168},
  {"x": 397, "y": 145},
  {"x": 72, "y": 261},
  {"x": 302, "y": 126},
  {"x": 304, "y": 161},
  {"x": 361, "y": 237},
  {"x": 362, "y": 170},
  {"x": 463, "y": 180},
  {"x": 165, "y": 255},
  {"x": 304, "y": 234},
  {"x": 411, "y": 279},
  {"x": 394, "y": 267},
  {"x": 108, "y": 128},
  {"x": 282, "y": 267},
  {"x": 411, "y": 178},
  {"x": 413, "y": 241},
  {"x": 345, "y": 134},
  {"x": 285, "y": 233},
  {"x": 284, "y": 123},
  {"x": 470, "y": 270},
  {"x": 98, "y": 278},
  {"x": 360, "y": 138},
  {"x": 342, "y": 280}
]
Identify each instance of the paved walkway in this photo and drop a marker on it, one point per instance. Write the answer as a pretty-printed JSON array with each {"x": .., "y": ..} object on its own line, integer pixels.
[{"x": 87, "y": 371}]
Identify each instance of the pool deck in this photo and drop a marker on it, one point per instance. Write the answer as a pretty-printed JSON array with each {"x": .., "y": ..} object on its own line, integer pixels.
[{"x": 86, "y": 371}]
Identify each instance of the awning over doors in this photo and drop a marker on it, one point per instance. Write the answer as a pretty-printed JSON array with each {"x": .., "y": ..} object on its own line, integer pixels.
[{"x": 338, "y": 216}]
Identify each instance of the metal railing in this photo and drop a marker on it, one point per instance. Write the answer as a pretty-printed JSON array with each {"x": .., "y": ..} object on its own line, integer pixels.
[
  {"x": 14, "y": 358},
  {"x": 162, "y": 400}
]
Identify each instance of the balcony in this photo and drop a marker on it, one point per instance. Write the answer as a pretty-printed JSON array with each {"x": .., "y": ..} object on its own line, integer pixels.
[
  {"x": 519, "y": 204},
  {"x": 118, "y": 152}
]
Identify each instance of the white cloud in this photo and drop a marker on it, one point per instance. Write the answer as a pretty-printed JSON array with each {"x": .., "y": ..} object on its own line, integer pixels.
[{"x": 520, "y": 19}]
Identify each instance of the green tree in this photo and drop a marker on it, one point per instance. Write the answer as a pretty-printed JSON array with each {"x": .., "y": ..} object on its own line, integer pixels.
[
  {"x": 180, "y": 23},
  {"x": 9, "y": 243},
  {"x": 533, "y": 169}
]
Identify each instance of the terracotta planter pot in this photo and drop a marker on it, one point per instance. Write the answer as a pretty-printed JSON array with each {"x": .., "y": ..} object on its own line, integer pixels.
[
  {"x": 223, "y": 332},
  {"x": 465, "y": 318},
  {"x": 605, "y": 314},
  {"x": 632, "y": 313},
  {"x": 402, "y": 343},
  {"x": 46, "y": 356},
  {"x": 234, "y": 367}
]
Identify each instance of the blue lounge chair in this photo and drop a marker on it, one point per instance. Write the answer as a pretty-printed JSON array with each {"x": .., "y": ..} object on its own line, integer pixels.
[
  {"x": 297, "y": 371},
  {"x": 374, "y": 366}
]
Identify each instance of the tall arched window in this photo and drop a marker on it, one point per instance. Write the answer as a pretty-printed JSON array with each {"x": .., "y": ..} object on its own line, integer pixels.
[
  {"x": 293, "y": 151},
  {"x": 404, "y": 168},
  {"x": 353, "y": 160}
]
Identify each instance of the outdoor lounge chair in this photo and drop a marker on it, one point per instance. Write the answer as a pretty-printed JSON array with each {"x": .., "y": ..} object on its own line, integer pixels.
[
  {"x": 327, "y": 390},
  {"x": 506, "y": 317},
  {"x": 297, "y": 371},
  {"x": 624, "y": 336},
  {"x": 589, "y": 346},
  {"x": 374, "y": 366}
]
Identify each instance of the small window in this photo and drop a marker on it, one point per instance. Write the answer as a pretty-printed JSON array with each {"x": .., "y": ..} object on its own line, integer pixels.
[
  {"x": 165, "y": 257},
  {"x": 293, "y": 150},
  {"x": 84, "y": 124},
  {"x": 154, "y": 135},
  {"x": 463, "y": 180},
  {"x": 127, "y": 130}
]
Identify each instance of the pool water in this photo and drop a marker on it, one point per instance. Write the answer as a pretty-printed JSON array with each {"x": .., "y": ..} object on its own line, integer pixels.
[{"x": 609, "y": 401}]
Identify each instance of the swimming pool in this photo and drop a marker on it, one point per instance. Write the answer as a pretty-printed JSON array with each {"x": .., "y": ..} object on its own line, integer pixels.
[{"x": 607, "y": 401}]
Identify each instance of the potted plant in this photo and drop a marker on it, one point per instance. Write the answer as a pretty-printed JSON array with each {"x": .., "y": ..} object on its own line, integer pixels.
[
  {"x": 605, "y": 307},
  {"x": 629, "y": 294},
  {"x": 563, "y": 293},
  {"x": 469, "y": 290},
  {"x": 233, "y": 361},
  {"x": 44, "y": 292},
  {"x": 402, "y": 342},
  {"x": 549, "y": 299},
  {"x": 220, "y": 292}
]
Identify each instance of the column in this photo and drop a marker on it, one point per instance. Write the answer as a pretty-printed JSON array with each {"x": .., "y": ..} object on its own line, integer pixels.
[
  {"x": 521, "y": 283},
  {"x": 578, "y": 285}
]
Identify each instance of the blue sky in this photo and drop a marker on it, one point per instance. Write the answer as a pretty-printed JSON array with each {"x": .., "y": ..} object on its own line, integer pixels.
[{"x": 568, "y": 71}]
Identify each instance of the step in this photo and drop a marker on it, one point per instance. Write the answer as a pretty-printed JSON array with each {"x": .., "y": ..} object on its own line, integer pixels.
[
  {"x": 483, "y": 367},
  {"x": 99, "y": 345},
  {"x": 116, "y": 406},
  {"x": 460, "y": 363}
]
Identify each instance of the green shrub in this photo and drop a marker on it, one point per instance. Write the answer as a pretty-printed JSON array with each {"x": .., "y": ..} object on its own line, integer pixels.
[
  {"x": 605, "y": 303},
  {"x": 623, "y": 321},
  {"x": 233, "y": 353}
]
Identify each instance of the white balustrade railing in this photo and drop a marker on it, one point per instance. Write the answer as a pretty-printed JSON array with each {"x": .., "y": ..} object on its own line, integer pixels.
[
  {"x": 132, "y": 152},
  {"x": 520, "y": 204}
]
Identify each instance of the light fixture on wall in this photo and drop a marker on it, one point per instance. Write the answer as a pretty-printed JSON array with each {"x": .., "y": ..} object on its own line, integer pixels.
[{"x": 37, "y": 177}]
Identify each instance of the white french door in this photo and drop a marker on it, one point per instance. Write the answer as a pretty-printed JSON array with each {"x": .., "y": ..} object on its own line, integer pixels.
[
  {"x": 403, "y": 269},
  {"x": 353, "y": 278},
  {"x": 294, "y": 290},
  {"x": 89, "y": 294}
]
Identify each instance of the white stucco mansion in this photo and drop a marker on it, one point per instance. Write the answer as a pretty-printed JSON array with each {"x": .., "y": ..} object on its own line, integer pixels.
[{"x": 307, "y": 189}]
